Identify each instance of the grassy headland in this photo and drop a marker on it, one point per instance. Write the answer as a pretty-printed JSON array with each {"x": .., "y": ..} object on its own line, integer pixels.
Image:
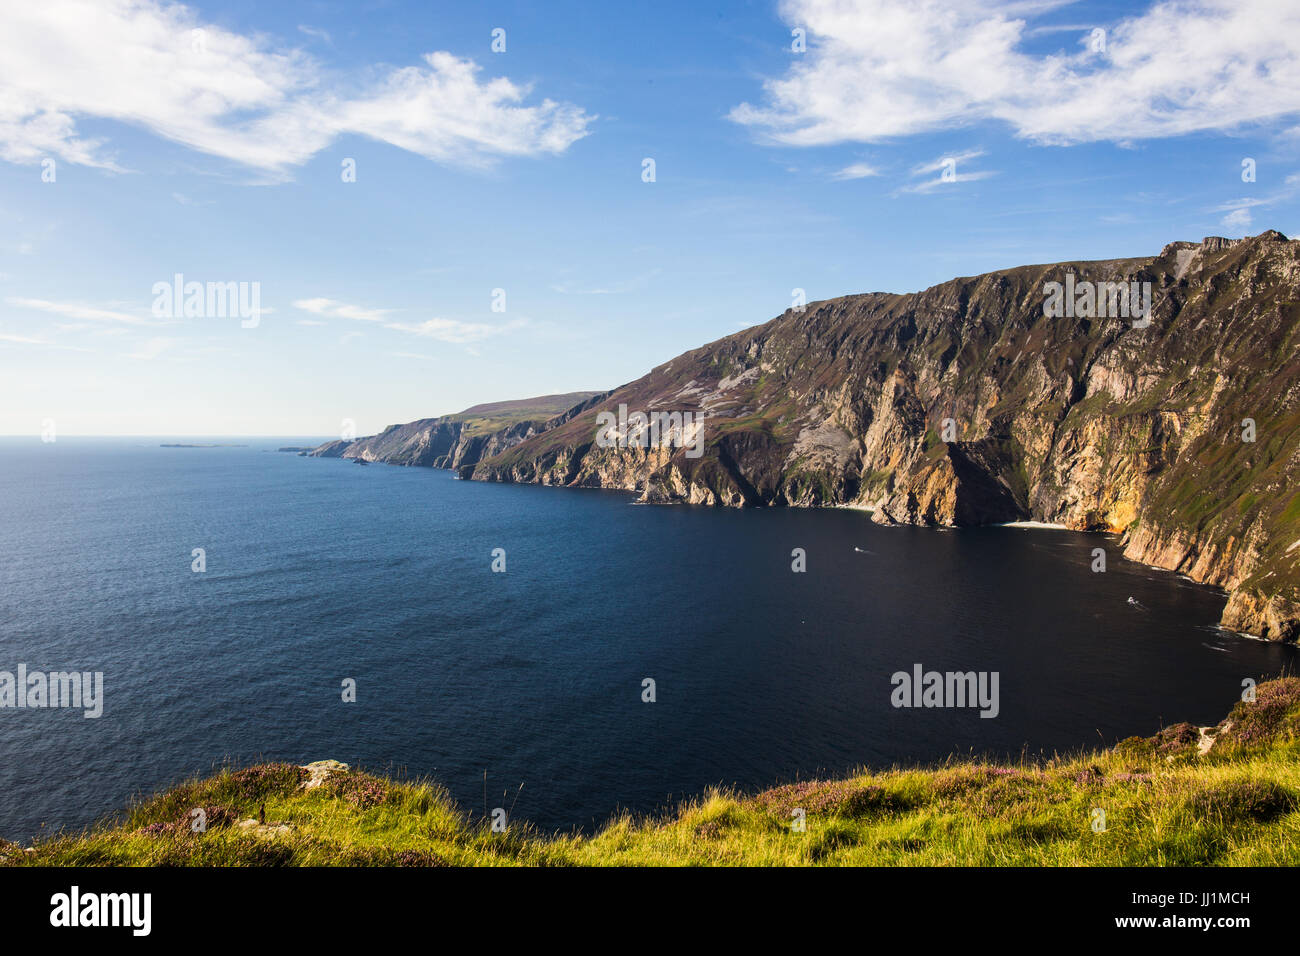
[{"x": 1227, "y": 795}]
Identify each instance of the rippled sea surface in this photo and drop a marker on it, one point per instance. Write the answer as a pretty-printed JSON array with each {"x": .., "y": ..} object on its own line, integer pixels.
[{"x": 323, "y": 570}]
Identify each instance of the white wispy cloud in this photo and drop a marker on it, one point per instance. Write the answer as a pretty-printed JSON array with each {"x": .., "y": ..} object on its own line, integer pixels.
[
  {"x": 341, "y": 310},
  {"x": 1239, "y": 216},
  {"x": 315, "y": 33},
  {"x": 12, "y": 339},
  {"x": 855, "y": 171},
  {"x": 1238, "y": 219},
  {"x": 951, "y": 170},
  {"x": 444, "y": 330},
  {"x": 23, "y": 339},
  {"x": 956, "y": 159},
  {"x": 76, "y": 310},
  {"x": 456, "y": 332},
  {"x": 1060, "y": 28},
  {"x": 930, "y": 185},
  {"x": 877, "y": 69},
  {"x": 1233, "y": 204},
  {"x": 158, "y": 66}
]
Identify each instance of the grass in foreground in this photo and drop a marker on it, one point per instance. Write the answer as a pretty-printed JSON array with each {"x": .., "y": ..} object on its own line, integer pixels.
[{"x": 1167, "y": 801}]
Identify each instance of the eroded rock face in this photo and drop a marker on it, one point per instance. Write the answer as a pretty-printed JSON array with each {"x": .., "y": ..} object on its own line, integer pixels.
[
  {"x": 1272, "y": 616},
  {"x": 965, "y": 404},
  {"x": 432, "y": 442},
  {"x": 453, "y": 441}
]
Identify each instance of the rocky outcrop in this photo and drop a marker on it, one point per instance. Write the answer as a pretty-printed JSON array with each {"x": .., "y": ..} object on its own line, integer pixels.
[
  {"x": 319, "y": 771},
  {"x": 968, "y": 403},
  {"x": 453, "y": 441},
  {"x": 1272, "y": 615}
]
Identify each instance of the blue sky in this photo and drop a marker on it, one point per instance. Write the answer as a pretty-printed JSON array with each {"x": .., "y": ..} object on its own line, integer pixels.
[{"x": 219, "y": 154}]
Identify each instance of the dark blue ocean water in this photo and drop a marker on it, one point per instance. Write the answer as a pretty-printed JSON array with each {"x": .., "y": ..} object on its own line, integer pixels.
[{"x": 320, "y": 570}]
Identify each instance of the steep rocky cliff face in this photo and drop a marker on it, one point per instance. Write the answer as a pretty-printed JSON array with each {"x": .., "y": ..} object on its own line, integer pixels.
[
  {"x": 453, "y": 441},
  {"x": 966, "y": 404}
]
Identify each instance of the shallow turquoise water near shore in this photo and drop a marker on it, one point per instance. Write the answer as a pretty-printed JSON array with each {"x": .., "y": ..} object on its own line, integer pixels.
[{"x": 321, "y": 570}]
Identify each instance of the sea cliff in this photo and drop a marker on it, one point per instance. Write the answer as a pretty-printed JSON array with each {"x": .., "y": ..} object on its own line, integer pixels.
[{"x": 974, "y": 403}]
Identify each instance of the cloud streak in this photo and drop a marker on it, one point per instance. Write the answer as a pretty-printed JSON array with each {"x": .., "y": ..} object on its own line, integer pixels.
[
  {"x": 855, "y": 171},
  {"x": 74, "y": 310},
  {"x": 452, "y": 331},
  {"x": 340, "y": 310}
]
